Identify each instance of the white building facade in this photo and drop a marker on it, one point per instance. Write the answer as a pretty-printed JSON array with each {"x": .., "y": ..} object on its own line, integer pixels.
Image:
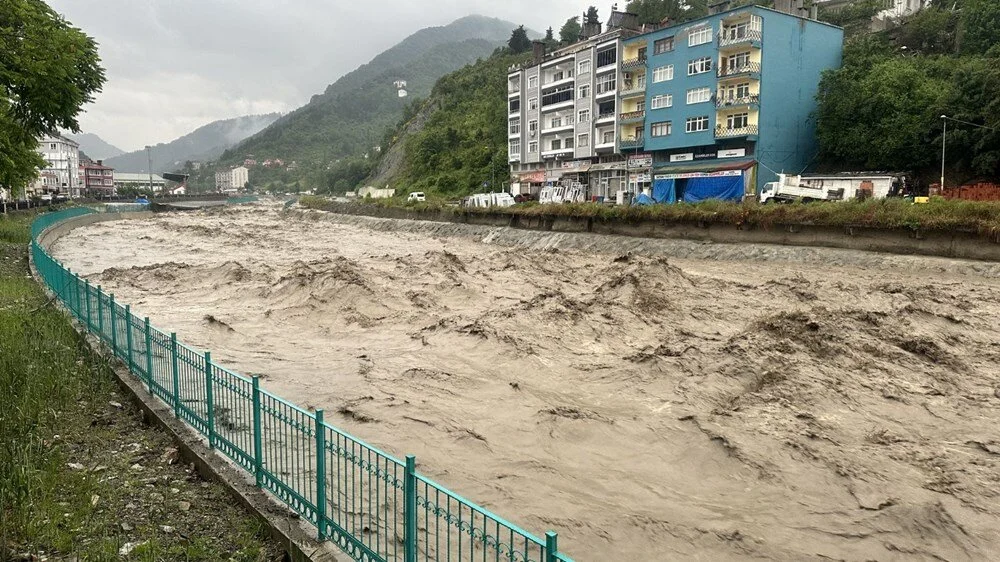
[
  {"x": 232, "y": 181},
  {"x": 61, "y": 173}
]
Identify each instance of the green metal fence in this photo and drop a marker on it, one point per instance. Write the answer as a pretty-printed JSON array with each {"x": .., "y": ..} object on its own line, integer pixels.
[{"x": 374, "y": 506}]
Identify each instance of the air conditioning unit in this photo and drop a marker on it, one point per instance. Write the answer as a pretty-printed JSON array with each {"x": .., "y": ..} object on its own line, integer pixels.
[{"x": 532, "y": 134}]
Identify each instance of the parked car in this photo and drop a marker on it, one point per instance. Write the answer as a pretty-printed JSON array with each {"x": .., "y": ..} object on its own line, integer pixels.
[{"x": 416, "y": 196}]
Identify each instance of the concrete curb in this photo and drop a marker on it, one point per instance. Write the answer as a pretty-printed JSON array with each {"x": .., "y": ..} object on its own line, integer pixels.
[{"x": 286, "y": 528}]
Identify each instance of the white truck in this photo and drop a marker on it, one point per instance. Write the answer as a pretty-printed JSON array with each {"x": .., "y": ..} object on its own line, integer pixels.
[{"x": 836, "y": 187}]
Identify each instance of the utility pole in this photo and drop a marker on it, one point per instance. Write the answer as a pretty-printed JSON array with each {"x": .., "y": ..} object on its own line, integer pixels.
[
  {"x": 149, "y": 160},
  {"x": 944, "y": 138}
]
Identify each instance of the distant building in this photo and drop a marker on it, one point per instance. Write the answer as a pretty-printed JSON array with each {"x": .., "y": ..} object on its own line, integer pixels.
[
  {"x": 232, "y": 181},
  {"x": 376, "y": 193},
  {"x": 62, "y": 166},
  {"x": 890, "y": 8},
  {"x": 127, "y": 181},
  {"x": 96, "y": 178},
  {"x": 249, "y": 162}
]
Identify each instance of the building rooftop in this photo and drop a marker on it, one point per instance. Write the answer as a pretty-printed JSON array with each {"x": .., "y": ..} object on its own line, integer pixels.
[{"x": 137, "y": 178}]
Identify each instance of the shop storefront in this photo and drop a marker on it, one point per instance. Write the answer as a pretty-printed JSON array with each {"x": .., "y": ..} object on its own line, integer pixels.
[
  {"x": 607, "y": 179},
  {"x": 639, "y": 168},
  {"x": 691, "y": 183}
]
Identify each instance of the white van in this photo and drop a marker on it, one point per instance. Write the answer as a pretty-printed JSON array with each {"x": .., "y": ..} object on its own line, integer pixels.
[{"x": 416, "y": 196}]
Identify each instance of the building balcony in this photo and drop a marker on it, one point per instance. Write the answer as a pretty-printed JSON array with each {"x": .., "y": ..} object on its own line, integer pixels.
[
  {"x": 632, "y": 143},
  {"x": 605, "y": 117},
  {"x": 723, "y": 132},
  {"x": 629, "y": 90},
  {"x": 752, "y": 36},
  {"x": 748, "y": 68},
  {"x": 565, "y": 126},
  {"x": 633, "y": 64},
  {"x": 722, "y": 101},
  {"x": 609, "y": 145},
  {"x": 632, "y": 116}
]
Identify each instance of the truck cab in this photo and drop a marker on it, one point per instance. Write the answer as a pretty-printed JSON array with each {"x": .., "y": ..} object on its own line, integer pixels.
[{"x": 768, "y": 192}]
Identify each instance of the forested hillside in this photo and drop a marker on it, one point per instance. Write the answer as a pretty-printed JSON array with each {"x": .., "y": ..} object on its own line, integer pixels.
[{"x": 350, "y": 118}]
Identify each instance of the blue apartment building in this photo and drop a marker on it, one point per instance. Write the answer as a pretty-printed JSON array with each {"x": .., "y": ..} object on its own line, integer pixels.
[{"x": 717, "y": 107}]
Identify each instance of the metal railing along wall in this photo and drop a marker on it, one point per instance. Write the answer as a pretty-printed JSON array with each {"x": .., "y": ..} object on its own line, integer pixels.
[{"x": 374, "y": 506}]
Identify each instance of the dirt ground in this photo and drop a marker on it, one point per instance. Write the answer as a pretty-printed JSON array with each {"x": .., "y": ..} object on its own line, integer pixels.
[{"x": 735, "y": 402}]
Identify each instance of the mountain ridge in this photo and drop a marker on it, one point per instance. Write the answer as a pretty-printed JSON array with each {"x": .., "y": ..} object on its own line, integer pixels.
[{"x": 95, "y": 147}]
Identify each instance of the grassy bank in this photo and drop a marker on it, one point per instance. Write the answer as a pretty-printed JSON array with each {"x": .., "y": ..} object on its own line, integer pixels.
[
  {"x": 938, "y": 215},
  {"x": 79, "y": 473}
]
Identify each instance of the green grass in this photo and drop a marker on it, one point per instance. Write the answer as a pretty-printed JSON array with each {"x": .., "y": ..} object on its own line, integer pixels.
[
  {"x": 59, "y": 404},
  {"x": 982, "y": 218}
]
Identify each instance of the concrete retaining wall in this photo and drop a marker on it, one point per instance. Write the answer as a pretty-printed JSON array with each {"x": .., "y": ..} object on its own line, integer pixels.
[{"x": 962, "y": 245}]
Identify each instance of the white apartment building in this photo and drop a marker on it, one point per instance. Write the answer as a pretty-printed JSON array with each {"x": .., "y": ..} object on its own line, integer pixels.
[
  {"x": 562, "y": 112},
  {"x": 61, "y": 173},
  {"x": 232, "y": 181}
]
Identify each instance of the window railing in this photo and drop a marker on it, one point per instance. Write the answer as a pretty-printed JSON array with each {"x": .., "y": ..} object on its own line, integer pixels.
[
  {"x": 724, "y": 132},
  {"x": 634, "y": 142},
  {"x": 722, "y": 100},
  {"x": 728, "y": 37},
  {"x": 633, "y": 115},
  {"x": 734, "y": 70},
  {"x": 631, "y": 64}
]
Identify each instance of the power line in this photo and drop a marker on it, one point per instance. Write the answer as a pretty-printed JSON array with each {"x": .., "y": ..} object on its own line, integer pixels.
[{"x": 972, "y": 124}]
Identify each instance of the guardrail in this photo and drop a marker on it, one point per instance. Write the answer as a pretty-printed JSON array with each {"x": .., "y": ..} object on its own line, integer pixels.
[{"x": 373, "y": 505}]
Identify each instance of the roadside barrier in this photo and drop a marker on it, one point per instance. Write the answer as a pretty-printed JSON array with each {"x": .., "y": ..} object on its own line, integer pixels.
[{"x": 374, "y": 506}]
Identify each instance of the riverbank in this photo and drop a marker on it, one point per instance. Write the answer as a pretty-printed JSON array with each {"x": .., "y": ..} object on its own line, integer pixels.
[{"x": 80, "y": 474}]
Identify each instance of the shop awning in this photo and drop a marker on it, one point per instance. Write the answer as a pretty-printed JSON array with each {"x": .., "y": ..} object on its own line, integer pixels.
[
  {"x": 708, "y": 169},
  {"x": 607, "y": 166}
]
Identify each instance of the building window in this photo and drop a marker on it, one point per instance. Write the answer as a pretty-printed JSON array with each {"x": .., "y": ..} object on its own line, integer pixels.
[
  {"x": 608, "y": 137},
  {"x": 700, "y": 66},
  {"x": 515, "y": 105},
  {"x": 555, "y": 122},
  {"x": 584, "y": 66},
  {"x": 515, "y": 147},
  {"x": 515, "y": 126},
  {"x": 583, "y": 141},
  {"x": 700, "y": 36},
  {"x": 738, "y": 121},
  {"x": 532, "y": 81},
  {"x": 640, "y": 105},
  {"x": 660, "y": 129},
  {"x": 606, "y": 84},
  {"x": 533, "y": 146},
  {"x": 583, "y": 116},
  {"x": 568, "y": 143},
  {"x": 532, "y": 125},
  {"x": 663, "y": 73},
  {"x": 556, "y": 144},
  {"x": 584, "y": 92},
  {"x": 52, "y": 146},
  {"x": 560, "y": 95},
  {"x": 736, "y": 91},
  {"x": 607, "y": 57},
  {"x": 532, "y": 103},
  {"x": 696, "y": 124},
  {"x": 663, "y": 45},
  {"x": 699, "y": 95},
  {"x": 662, "y": 101},
  {"x": 737, "y": 61}
]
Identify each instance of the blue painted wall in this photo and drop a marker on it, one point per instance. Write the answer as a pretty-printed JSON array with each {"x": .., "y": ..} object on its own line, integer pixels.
[{"x": 794, "y": 56}]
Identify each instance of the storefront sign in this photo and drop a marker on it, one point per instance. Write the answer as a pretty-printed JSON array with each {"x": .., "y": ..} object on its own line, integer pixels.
[
  {"x": 639, "y": 178},
  {"x": 638, "y": 161},
  {"x": 689, "y": 175},
  {"x": 682, "y": 157},
  {"x": 704, "y": 155},
  {"x": 575, "y": 164},
  {"x": 533, "y": 177},
  {"x": 733, "y": 153}
]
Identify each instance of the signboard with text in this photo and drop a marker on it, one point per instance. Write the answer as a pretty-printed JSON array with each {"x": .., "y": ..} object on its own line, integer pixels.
[
  {"x": 682, "y": 157},
  {"x": 638, "y": 161},
  {"x": 733, "y": 153}
]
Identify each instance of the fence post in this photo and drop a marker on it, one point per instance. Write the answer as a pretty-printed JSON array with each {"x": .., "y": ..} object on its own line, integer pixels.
[
  {"x": 410, "y": 509},
  {"x": 320, "y": 475},
  {"x": 128, "y": 337},
  {"x": 70, "y": 301},
  {"x": 79, "y": 301},
  {"x": 551, "y": 547},
  {"x": 209, "y": 407},
  {"x": 114, "y": 330},
  {"x": 258, "y": 454},
  {"x": 149, "y": 354},
  {"x": 100, "y": 315},
  {"x": 86, "y": 296},
  {"x": 174, "y": 373}
]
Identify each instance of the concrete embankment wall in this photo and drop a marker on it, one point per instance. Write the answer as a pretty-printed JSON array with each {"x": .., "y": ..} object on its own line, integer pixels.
[
  {"x": 962, "y": 245},
  {"x": 52, "y": 234}
]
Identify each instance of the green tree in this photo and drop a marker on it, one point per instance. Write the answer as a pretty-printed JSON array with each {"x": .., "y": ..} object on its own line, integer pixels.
[
  {"x": 592, "y": 18},
  {"x": 655, "y": 11},
  {"x": 519, "y": 41},
  {"x": 549, "y": 37},
  {"x": 980, "y": 22},
  {"x": 48, "y": 71},
  {"x": 570, "y": 31}
]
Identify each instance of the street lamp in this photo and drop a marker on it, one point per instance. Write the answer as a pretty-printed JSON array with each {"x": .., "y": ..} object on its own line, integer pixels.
[
  {"x": 149, "y": 161},
  {"x": 944, "y": 137}
]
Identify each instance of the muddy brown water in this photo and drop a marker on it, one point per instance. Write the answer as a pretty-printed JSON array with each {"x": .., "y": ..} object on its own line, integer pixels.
[{"x": 685, "y": 401}]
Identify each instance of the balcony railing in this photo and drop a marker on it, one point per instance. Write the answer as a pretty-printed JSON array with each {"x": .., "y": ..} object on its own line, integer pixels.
[
  {"x": 608, "y": 115},
  {"x": 749, "y": 36},
  {"x": 723, "y": 101},
  {"x": 723, "y": 132},
  {"x": 746, "y": 68},
  {"x": 636, "y": 142},
  {"x": 632, "y": 64},
  {"x": 632, "y": 88},
  {"x": 633, "y": 116}
]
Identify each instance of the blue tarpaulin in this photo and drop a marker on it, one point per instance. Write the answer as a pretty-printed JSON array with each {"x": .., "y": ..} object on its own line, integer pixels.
[
  {"x": 728, "y": 188},
  {"x": 664, "y": 191},
  {"x": 643, "y": 199}
]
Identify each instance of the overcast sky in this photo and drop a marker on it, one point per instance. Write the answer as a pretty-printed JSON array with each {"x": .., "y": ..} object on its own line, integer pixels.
[{"x": 174, "y": 65}]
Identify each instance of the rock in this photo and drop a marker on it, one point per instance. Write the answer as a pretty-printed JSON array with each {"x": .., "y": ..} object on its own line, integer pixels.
[
  {"x": 170, "y": 456},
  {"x": 116, "y": 404},
  {"x": 127, "y": 527},
  {"x": 128, "y": 547},
  {"x": 156, "y": 497},
  {"x": 76, "y": 466},
  {"x": 100, "y": 468},
  {"x": 183, "y": 506},
  {"x": 167, "y": 529},
  {"x": 94, "y": 499},
  {"x": 174, "y": 491},
  {"x": 136, "y": 466}
]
